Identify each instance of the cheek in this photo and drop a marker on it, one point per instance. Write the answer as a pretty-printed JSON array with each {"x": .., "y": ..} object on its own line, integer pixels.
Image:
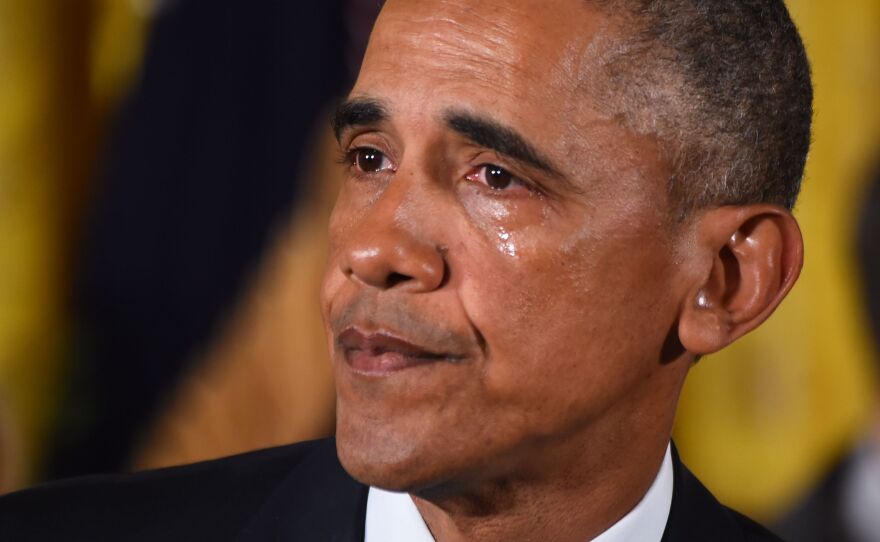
[
  {"x": 352, "y": 202},
  {"x": 571, "y": 323},
  {"x": 501, "y": 224},
  {"x": 539, "y": 375},
  {"x": 525, "y": 306},
  {"x": 343, "y": 220}
]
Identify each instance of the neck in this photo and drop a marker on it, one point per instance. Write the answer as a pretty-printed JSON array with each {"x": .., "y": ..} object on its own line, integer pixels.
[
  {"x": 566, "y": 489},
  {"x": 578, "y": 502}
]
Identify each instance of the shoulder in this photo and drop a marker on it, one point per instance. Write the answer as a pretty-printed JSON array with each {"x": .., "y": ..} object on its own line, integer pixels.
[
  {"x": 696, "y": 515},
  {"x": 212, "y": 497}
]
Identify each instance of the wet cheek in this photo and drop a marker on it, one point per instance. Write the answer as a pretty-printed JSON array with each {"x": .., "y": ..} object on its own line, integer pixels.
[
  {"x": 517, "y": 269},
  {"x": 502, "y": 225},
  {"x": 506, "y": 243},
  {"x": 484, "y": 212}
]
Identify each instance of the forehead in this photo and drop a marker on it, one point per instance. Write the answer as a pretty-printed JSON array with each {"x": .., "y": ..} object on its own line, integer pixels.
[{"x": 487, "y": 50}]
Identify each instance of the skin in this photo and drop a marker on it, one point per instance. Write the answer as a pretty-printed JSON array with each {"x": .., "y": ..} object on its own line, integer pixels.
[{"x": 564, "y": 306}]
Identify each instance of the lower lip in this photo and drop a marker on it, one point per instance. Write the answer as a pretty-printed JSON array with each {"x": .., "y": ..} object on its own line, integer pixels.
[{"x": 383, "y": 364}]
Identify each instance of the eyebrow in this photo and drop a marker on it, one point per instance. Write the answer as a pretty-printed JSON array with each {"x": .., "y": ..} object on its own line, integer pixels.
[
  {"x": 499, "y": 138},
  {"x": 358, "y": 112}
]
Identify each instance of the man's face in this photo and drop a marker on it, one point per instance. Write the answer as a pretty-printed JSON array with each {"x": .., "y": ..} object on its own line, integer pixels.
[{"x": 502, "y": 276}]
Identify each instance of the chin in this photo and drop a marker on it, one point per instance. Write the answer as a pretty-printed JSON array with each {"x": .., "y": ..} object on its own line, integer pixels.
[
  {"x": 390, "y": 459},
  {"x": 376, "y": 457}
]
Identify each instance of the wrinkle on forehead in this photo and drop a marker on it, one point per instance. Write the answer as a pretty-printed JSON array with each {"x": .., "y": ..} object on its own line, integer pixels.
[
  {"x": 448, "y": 34},
  {"x": 508, "y": 40},
  {"x": 446, "y": 45}
]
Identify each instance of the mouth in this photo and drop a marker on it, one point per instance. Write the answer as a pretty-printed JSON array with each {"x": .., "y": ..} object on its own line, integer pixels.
[{"x": 382, "y": 353}]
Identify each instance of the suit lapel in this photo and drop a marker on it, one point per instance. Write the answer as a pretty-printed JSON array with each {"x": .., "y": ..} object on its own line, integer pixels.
[
  {"x": 695, "y": 514},
  {"x": 317, "y": 500}
]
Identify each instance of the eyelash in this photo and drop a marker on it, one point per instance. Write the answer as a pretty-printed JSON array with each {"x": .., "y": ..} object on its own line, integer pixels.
[
  {"x": 345, "y": 157},
  {"x": 348, "y": 157}
]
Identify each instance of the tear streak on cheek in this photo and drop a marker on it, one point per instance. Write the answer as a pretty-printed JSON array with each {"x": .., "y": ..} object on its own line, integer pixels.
[
  {"x": 496, "y": 210},
  {"x": 490, "y": 218},
  {"x": 506, "y": 243}
]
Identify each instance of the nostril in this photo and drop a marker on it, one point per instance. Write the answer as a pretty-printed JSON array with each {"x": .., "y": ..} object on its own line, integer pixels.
[
  {"x": 396, "y": 278},
  {"x": 395, "y": 262}
]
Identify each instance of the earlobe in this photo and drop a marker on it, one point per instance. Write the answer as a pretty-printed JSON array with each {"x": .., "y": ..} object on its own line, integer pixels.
[
  {"x": 756, "y": 253},
  {"x": 704, "y": 325}
]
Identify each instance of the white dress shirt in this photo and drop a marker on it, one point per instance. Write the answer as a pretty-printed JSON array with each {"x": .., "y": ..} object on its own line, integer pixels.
[{"x": 393, "y": 517}]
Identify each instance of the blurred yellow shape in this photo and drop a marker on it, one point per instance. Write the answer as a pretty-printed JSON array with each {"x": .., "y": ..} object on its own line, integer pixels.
[
  {"x": 62, "y": 67},
  {"x": 760, "y": 421}
]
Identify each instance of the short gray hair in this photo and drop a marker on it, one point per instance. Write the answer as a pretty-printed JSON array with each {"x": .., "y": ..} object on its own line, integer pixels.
[{"x": 726, "y": 87}]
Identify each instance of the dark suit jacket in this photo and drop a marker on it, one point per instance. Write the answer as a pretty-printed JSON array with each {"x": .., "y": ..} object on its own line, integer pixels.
[{"x": 292, "y": 493}]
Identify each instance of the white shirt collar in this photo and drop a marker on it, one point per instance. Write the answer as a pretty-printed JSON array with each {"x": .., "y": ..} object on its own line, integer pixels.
[{"x": 393, "y": 517}]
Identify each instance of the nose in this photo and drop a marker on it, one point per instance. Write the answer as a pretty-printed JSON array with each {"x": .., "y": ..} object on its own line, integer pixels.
[
  {"x": 396, "y": 262},
  {"x": 383, "y": 254}
]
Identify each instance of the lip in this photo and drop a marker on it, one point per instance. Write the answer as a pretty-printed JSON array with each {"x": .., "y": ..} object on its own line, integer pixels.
[{"x": 383, "y": 353}]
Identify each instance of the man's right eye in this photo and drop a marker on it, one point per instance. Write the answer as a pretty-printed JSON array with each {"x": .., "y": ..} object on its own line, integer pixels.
[{"x": 369, "y": 160}]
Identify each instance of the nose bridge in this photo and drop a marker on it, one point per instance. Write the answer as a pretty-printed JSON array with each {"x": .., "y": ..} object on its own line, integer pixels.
[
  {"x": 394, "y": 245},
  {"x": 400, "y": 210},
  {"x": 416, "y": 206}
]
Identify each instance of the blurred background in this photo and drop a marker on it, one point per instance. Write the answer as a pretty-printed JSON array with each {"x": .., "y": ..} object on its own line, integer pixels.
[{"x": 165, "y": 175}]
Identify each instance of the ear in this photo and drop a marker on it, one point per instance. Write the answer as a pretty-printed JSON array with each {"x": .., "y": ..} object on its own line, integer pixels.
[{"x": 750, "y": 257}]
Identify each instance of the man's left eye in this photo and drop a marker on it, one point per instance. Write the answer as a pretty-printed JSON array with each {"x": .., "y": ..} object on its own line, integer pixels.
[{"x": 495, "y": 177}]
